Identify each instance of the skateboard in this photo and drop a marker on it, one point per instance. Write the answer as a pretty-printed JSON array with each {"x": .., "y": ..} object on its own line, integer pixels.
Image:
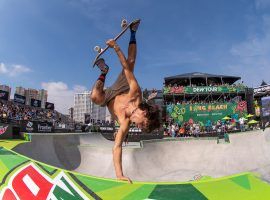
[{"x": 125, "y": 26}]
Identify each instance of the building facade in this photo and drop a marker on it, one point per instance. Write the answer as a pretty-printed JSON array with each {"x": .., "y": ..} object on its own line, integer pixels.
[
  {"x": 42, "y": 96},
  {"x": 30, "y": 93},
  {"x": 20, "y": 90},
  {"x": 83, "y": 105}
]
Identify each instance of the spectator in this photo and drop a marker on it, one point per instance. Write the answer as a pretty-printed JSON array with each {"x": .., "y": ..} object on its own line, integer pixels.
[
  {"x": 242, "y": 124},
  {"x": 173, "y": 129}
]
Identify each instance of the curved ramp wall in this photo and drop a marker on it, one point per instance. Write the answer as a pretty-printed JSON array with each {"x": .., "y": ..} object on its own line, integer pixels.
[{"x": 160, "y": 160}]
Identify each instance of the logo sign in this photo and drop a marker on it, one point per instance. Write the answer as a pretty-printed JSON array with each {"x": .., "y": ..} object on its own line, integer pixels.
[
  {"x": 44, "y": 127},
  {"x": 30, "y": 182},
  {"x": 266, "y": 106},
  {"x": 106, "y": 128},
  {"x": 35, "y": 103},
  {"x": 4, "y": 95},
  {"x": 3, "y": 129},
  {"x": 19, "y": 99},
  {"x": 29, "y": 126},
  {"x": 49, "y": 105},
  {"x": 262, "y": 89}
]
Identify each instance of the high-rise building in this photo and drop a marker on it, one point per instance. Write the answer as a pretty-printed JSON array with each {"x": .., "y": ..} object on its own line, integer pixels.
[
  {"x": 6, "y": 89},
  {"x": 30, "y": 94},
  {"x": 20, "y": 90},
  {"x": 98, "y": 113},
  {"x": 83, "y": 105},
  {"x": 42, "y": 96}
]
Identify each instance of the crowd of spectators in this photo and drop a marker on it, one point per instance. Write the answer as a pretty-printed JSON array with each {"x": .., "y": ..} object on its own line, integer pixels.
[
  {"x": 10, "y": 111},
  {"x": 209, "y": 128},
  {"x": 224, "y": 99},
  {"x": 212, "y": 84}
]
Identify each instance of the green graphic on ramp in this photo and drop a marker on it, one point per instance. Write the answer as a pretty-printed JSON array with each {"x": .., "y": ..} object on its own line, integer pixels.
[
  {"x": 242, "y": 186},
  {"x": 242, "y": 181},
  {"x": 142, "y": 192},
  {"x": 183, "y": 192}
]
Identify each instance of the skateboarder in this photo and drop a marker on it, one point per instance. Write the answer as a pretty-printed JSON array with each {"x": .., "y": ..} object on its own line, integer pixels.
[{"x": 124, "y": 99}]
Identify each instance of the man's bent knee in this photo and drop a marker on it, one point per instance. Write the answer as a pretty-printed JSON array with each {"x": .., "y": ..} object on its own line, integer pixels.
[{"x": 97, "y": 99}]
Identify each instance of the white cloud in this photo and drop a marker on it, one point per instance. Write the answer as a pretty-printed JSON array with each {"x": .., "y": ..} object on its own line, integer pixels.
[
  {"x": 13, "y": 70},
  {"x": 253, "y": 56},
  {"x": 61, "y": 95},
  {"x": 3, "y": 69}
]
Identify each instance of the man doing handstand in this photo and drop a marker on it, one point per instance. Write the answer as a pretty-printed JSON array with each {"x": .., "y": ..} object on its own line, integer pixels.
[{"x": 124, "y": 99}]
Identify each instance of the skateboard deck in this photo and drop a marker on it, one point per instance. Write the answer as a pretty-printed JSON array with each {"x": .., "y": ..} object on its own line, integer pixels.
[{"x": 125, "y": 26}]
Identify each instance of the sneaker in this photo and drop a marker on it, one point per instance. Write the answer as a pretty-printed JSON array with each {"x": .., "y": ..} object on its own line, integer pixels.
[
  {"x": 100, "y": 63},
  {"x": 134, "y": 26}
]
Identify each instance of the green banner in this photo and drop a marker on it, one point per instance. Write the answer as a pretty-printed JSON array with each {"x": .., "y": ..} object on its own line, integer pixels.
[
  {"x": 202, "y": 89},
  {"x": 204, "y": 112}
]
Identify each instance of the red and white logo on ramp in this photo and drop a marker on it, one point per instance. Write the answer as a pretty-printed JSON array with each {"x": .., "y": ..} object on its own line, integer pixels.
[
  {"x": 30, "y": 183},
  {"x": 3, "y": 129}
]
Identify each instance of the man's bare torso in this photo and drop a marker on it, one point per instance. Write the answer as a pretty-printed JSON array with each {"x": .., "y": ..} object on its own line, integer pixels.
[{"x": 119, "y": 104}]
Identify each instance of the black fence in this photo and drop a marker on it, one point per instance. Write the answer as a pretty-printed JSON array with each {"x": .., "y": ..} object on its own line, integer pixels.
[
  {"x": 12, "y": 128},
  {"x": 134, "y": 134},
  {"x": 36, "y": 127}
]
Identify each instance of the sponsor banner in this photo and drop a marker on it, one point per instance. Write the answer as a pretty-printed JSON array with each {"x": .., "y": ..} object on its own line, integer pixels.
[
  {"x": 19, "y": 99},
  {"x": 49, "y": 106},
  {"x": 265, "y": 106},
  {"x": 202, "y": 89},
  {"x": 36, "y": 127},
  {"x": 30, "y": 182},
  {"x": 4, "y": 95},
  {"x": 113, "y": 129},
  {"x": 44, "y": 127},
  {"x": 107, "y": 129},
  {"x": 262, "y": 89},
  {"x": 6, "y": 131},
  {"x": 3, "y": 129},
  {"x": 35, "y": 103},
  {"x": 204, "y": 112}
]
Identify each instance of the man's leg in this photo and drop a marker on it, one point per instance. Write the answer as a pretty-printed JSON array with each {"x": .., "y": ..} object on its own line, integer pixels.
[
  {"x": 132, "y": 48},
  {"x": 98, "y": 94}
]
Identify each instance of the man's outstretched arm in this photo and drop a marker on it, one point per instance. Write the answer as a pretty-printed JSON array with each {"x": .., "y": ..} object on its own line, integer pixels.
[
  {"x": 133, "y": 84},
  {"x": 117, "y": 151}
]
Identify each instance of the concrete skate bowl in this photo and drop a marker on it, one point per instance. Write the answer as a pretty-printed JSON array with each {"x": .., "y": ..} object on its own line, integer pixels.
[{"x": 167, "y": 167}]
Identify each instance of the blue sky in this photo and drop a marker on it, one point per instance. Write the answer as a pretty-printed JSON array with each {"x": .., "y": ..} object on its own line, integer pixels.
[{"x": 49, "y": 44}]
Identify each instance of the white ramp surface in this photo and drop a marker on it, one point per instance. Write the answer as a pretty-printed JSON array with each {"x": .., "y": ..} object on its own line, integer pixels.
[{"x": 157, "y": 160}]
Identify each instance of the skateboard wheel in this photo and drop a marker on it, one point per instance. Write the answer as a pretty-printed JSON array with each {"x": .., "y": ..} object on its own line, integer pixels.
[
  {"x": 97, "y": 48},
  {"x": 124, "y": 23}
]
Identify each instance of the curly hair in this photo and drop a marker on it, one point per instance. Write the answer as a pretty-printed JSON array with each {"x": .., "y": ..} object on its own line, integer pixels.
[{"x": 153, "y": 116}]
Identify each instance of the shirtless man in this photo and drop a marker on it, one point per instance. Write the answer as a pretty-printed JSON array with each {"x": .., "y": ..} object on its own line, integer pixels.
[{"x": 124, "y": 99}]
